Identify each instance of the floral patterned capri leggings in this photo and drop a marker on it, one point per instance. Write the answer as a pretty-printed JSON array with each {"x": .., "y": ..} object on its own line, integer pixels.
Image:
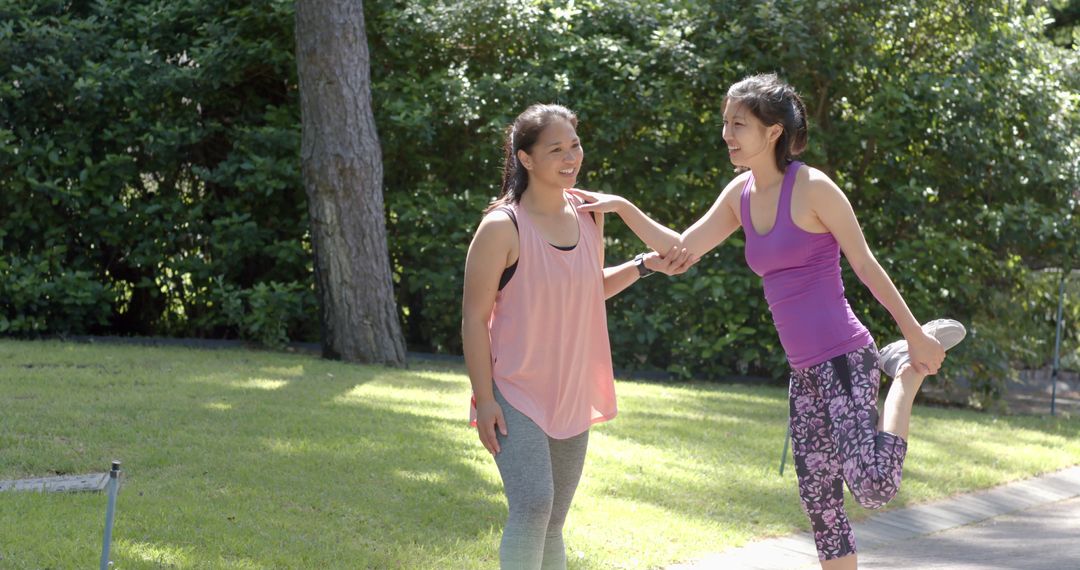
[{"x": 834, "y": 438}]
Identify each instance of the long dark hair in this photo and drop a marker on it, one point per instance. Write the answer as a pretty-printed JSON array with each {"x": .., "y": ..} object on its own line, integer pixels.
[
  {"x": 522, "y": 135},
  {"x": 774, "y": 102}
]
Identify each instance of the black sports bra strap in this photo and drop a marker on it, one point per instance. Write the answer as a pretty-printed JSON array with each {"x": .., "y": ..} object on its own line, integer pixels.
[
  {"x": 509, "y": 271},
  {"x": 509, "y": 212}
]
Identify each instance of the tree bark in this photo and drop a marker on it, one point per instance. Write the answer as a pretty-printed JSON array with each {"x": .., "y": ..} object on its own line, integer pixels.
[{"x": 341, "y": 163}]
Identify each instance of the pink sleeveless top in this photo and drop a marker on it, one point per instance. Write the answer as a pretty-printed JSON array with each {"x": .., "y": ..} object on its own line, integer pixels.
[{"x": 550, "y": 354}]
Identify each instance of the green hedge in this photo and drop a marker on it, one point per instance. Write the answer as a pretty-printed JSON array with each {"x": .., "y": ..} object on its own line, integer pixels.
[
  {"x": 952, "y": 129},
  {"x": 150, "y": 178},
  {"x": 148, "y": 161}
]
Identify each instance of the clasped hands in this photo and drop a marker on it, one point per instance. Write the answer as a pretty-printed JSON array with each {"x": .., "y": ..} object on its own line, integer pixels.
[{"x": 674, "y": 262}]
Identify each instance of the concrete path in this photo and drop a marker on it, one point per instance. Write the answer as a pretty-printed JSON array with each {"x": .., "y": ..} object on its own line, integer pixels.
[
  {"x": 1029, "y": 524},
  {"x": 1046, "y": 537}
]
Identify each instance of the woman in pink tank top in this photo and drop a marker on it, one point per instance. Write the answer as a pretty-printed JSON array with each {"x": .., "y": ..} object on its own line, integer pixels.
[
  {"x": 534, "y": 328},
  {"x": 796, "y": 222}
]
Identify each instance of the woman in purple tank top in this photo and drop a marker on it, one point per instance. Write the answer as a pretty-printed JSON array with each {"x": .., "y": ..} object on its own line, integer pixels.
[{"x": 797, "y": 222}]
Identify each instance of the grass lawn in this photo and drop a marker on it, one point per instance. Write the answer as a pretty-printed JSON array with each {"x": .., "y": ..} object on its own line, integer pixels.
[{"x": 245, "y": 459}]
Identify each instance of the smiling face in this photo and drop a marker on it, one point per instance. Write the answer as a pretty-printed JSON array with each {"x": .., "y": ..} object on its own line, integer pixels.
[
  {"x": 555, "y": 159},
  {"x": 748, "y": 140}
]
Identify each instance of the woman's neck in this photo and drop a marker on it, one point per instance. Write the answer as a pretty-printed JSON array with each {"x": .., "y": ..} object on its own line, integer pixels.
[
  {"x": 543, "y": 200},
  {"x": 766, "y": 175}
]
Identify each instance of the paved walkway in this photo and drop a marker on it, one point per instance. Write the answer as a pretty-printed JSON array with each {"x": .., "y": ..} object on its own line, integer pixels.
[
  {"x": 1046, "y": 537},
  {"x": 1031, "y": 524}
]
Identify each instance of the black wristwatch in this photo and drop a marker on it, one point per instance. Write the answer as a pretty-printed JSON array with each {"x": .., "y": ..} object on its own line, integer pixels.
[{"x": 639, "y": 262}]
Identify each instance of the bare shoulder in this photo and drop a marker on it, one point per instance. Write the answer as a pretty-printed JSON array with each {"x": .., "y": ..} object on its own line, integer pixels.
[
  {"x": 496, "y": 229},
  {"x": 731, "y": 193},
  {"x": 817, "y": 185},
  {"x": 737, "y": 183}
]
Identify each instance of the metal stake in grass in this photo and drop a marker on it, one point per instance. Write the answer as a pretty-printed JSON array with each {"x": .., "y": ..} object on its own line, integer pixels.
[
  {"x": 783, "y": 454},
  {"x": 1057, "y": 346},
  {"x": 114, "y": 488}
]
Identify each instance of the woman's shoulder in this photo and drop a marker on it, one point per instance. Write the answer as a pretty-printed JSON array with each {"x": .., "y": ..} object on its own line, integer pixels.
[
  {"x": 736, "y": 184},
  {"x": 817, "y": 188},
  {"x": 499, "y": 225},
  {"x": 732, "y": 193},
  {"x": 814, "y": 179},
  {"x": 500, "y": 215}
]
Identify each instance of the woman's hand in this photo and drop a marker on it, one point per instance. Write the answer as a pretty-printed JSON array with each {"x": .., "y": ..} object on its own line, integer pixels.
[
  {"x": 675, "y": 262},
  {"x": 925, "y": 352},
  {"x": 488, "y": 415},
  {"x": 598, "y": 201}
]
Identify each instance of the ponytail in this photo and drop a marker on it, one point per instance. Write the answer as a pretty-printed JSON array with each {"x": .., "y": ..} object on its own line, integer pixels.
[{"x": 799, "y": 136}]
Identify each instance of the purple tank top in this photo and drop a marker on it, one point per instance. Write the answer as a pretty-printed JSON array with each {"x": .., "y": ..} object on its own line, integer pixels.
[{"x": 801, "y": 275}]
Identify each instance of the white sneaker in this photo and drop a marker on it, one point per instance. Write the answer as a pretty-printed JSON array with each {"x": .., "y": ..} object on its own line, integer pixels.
[{"x": 947, "y": 331}]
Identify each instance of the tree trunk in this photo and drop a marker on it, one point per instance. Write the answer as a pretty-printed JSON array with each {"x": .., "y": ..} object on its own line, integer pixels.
[{"x": 341, "y": 162}]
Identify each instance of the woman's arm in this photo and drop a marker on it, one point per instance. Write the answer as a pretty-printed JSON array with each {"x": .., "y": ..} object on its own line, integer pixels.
[
  {"x": 655, "y": 235},
  {"x": 833, "y": 209},
  {"x": 618, "y": 278},
  {"x": 488, "y": 256},
  {"x": 718, "y": 223},
  {"x": 701, "y": 237}
]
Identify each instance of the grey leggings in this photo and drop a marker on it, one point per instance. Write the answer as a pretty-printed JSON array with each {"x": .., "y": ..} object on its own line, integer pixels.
[{"x": 540, "y": 475}]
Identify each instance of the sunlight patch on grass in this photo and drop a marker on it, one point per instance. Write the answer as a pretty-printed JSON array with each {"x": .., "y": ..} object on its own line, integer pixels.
[
  {"x": 421, "y": 476},
  {"x": 604, "y": 446},
  {"x": 213, "y": 378},
  {"x": 444, "y": 377},
  {"x": 293, "y": 371},
  {"x": 481, "y": 463},
  {"x": 627, "y": 525},
  {"x": 286, "y": 447},
  {"x": 219, "y": 406},
  {"x": 173, "y": 557},
  {"x": 700, "y": 393},
  {"x": 170, "y": 556},
  {"x": 404, "y": 399},
  {"x": 261, "y": 384},
  {"x": 239, "y": 564}
]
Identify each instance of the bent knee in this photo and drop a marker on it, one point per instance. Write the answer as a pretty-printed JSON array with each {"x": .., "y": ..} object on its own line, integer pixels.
[{"x": 874, "y": 499}]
